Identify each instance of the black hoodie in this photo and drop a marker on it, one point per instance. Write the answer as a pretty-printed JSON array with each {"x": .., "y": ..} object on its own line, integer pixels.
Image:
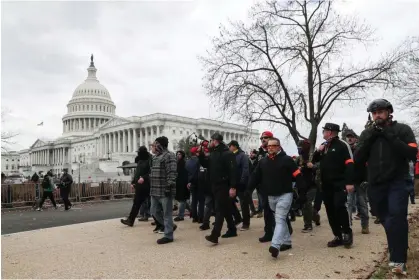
[
  {"x": 182, "y": 191},
  {"x": 143, "y": 170},
  {"x": 221, "y": 165}
]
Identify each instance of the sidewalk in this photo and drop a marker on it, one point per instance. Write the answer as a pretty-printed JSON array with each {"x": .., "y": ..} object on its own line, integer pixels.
[{"x": 107, "y": 249}]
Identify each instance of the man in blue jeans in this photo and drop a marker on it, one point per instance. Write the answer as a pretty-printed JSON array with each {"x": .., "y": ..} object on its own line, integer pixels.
[
  {"x": 163, "y": 187},
  {"x": 388, "y": 146},
  {"x": 276, "y": 173}
]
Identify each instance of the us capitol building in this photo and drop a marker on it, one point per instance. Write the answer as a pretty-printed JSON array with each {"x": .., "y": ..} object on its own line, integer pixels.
[{"x": 95, "y": 141}]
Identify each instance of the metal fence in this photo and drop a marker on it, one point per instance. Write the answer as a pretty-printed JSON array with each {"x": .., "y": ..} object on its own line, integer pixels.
[{"x": 19, "y": 195}]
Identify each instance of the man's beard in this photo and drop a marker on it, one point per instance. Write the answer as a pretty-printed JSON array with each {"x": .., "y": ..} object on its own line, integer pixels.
[{"x": 380, "y": 122}]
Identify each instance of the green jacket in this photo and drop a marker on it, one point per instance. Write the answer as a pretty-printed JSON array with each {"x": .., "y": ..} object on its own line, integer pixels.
[{"x": 51, "y": 184}]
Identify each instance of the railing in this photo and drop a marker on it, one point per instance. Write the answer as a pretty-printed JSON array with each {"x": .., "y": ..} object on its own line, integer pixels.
[{"x": 20, "y": 195}]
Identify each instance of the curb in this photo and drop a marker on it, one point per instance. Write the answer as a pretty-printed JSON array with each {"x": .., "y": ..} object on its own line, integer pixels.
[{"x": 29, "y": 208}]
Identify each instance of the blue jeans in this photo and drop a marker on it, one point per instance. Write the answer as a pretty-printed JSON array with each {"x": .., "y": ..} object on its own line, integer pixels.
[
  {"x": 182, "y": 206},
  {"x": 162, "y": 210},
  {"x": 389, "y": 203},
  {"x": 360, "y": 198},
  {"x": 411, "y": 189},
  {"x": 281, "y": 206},
  {"x": 145, "y": 208}
]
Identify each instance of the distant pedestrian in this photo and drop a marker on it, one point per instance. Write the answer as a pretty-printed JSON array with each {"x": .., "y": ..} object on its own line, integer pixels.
[{"x": 48, "y": 187}]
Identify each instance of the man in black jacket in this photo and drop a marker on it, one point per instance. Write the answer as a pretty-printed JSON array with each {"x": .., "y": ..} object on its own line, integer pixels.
[
  {"x": 141, "y": 183},
  {"x": 387, "y": 147},
  {"x": 276, "y": 174},
  {"x": 222, "y": 170},
  {"x": 337, "y": 176},
  {"x": 268, "y": 214}
]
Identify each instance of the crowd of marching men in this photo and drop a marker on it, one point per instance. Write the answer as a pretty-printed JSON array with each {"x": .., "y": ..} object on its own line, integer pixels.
[{"x": 376, "y": 168}]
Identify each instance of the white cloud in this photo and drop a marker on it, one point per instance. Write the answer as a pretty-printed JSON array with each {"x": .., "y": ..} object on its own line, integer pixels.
[{"x": 146, "y": 55}]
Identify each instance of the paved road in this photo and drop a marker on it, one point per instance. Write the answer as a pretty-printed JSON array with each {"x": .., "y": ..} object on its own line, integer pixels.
[{"x": 30, "y": 220}]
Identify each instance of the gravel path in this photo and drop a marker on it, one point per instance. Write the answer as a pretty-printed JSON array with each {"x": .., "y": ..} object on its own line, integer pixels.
[{"x": 107, "y": 249}]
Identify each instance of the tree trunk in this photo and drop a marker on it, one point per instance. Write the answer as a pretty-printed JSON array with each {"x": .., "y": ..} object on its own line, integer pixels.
[{"x": 313, "y": 136}]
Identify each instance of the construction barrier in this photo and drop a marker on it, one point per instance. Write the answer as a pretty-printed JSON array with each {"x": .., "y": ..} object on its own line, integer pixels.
[{"x": 28, "y": 194}]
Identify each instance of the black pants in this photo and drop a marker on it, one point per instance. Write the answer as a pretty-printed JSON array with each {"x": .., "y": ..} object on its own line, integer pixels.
[
  {"x": 197, "y": 204},
  {"x": 222, "y": 211},
  {"x": 337, "y": 213},
  {"x": 64, "y": 192},
  {"x": 46, "y": 195},
  {"x": 139, "y": 199},
  {"x": 318, "y": 200},
  {"x": 389, "y": 202},
  {"x": 245, "y": 198},
  {"x": 268, "y": 216}
]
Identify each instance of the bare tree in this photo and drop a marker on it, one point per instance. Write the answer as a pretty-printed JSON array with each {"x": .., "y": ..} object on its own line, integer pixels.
[
  {"x": 408, "y": 96},
  {"x": 6, "y": 136},
  {"x": 291, "y": 64}
]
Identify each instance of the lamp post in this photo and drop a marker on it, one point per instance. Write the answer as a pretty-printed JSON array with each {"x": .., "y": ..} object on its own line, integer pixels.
[
  {"x": 109, "y": 153},
  {"x": 80, "y": 161}
]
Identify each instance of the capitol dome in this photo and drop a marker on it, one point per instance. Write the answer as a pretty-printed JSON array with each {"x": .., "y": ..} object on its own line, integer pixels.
[{"x": 90, "y": 106}]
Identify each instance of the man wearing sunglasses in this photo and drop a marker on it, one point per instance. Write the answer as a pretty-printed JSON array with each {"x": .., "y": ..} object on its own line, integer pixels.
[
  {"x": 275, "y": 175},
  {"x": 268, "y": 215}
]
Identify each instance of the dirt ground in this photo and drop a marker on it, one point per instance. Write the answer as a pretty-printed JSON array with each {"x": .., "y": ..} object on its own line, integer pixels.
[{"x": 383, "y": 272}]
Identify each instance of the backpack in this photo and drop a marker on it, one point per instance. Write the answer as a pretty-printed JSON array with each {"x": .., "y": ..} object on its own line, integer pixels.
[{"x": 45, "y": 182}]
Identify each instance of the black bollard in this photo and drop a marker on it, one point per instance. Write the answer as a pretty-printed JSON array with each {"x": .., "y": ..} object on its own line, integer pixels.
[{"x": 9, "y": 194}]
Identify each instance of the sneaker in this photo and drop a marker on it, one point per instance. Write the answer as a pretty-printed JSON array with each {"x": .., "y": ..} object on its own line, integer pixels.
[
  {"x": 229, "y": 234},
  {"x": 153, "y": 223},
  {"x": 244, "y": 228},
  {"x": 178, "y": 219},
  {"x": 260, "y": 215},
  {"x": 127, "y": 222},
  {"x": 365, "y": 230},
  {"x": 335, "y": 242},
  {"x": 265, "y": 238},
  {"x": 38, "y": 209},
  {"x": 164, "y": 240},
  {"x": 377, "y": 221},
  {"x": 143, "y": 219},
  {"x": 399, "y": 268},
  {"x": 157, "y": 229},
  {"x": 204, "y": 227},
  {"x": 347, "y": 240},
  {"x": 285, "y": 247},
  {"x": 307, "y": 229},
  {"x": 274, "y": 252},
  {"x": 161, "y": 231},
  {"x": 212, "y": 239}
]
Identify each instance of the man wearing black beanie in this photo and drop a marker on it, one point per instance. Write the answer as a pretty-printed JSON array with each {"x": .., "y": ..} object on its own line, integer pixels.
[{"x": 163, "y": 187}]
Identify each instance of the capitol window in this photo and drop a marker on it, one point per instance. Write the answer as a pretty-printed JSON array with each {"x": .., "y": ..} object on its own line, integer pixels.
[{"x": 7, "y": 167}]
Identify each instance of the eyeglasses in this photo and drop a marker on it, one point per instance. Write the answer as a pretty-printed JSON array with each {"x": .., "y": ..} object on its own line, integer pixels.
[{"x": 273, "y": 146}]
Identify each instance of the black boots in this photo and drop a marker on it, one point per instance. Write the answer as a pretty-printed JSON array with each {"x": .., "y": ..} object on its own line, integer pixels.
[{"x": 127, "y": 222}]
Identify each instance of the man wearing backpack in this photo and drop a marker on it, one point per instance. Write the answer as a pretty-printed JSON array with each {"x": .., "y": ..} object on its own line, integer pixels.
[{"x": 48, "y": 187}]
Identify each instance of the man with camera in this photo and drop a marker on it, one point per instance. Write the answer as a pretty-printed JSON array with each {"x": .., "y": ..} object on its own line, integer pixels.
[
  {"x": 163, "y": 176},
  {"x": 221, "y": 165},
  {"x": 387, "y": 147}
]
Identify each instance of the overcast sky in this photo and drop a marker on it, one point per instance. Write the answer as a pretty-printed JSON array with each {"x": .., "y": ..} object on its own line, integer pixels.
[{"x": 146, "y": 56}]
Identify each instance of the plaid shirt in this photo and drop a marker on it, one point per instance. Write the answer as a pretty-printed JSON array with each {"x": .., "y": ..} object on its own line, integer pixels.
[{"x": 163, "y": 174}]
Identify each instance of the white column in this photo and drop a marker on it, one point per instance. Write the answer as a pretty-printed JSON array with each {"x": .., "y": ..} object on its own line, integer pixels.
[
  {"x": 134, "y": 140},
  {"x": 90, "y": 124},
  {"x": 114, "y": 142},
  {"x": 146, "y": 138},
  {"x": 129, "y": 140},
  {"x": 141, "y": 136},
  {"x": 107, "y": 143},
  {"x": 124, "y": 142}
]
